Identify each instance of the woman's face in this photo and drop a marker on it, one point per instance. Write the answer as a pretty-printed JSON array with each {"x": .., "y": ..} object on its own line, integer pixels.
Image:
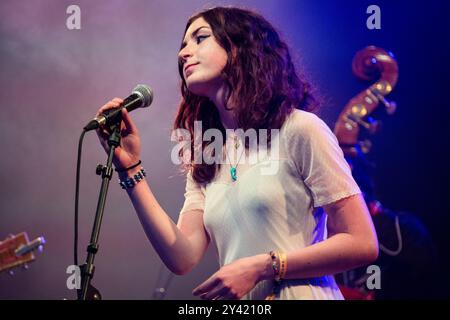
[{"x": 203, "y": 59}]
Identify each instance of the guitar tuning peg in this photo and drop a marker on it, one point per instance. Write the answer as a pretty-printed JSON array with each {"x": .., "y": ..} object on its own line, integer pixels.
[
  {"x": 11, "y": 272},
  {"x": 40, "y": 248},
  {"x": 26, "y": 266}
]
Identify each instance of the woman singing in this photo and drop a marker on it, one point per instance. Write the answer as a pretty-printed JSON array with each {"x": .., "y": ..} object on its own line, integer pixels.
[{"x": 281, "y": 226}]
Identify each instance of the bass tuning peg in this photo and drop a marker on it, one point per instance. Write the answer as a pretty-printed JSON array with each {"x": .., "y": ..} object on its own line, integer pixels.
[
  {"x": 365, "y": 146},
  {"x": 390, "y": 106},
  {"x": 371, "y": 125}
]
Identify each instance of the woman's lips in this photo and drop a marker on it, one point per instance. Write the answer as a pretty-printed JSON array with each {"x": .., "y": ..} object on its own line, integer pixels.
[{"x": 188, "y": 69}]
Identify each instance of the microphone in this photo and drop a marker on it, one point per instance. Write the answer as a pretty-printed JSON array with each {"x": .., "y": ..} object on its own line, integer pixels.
[{"x": 141, "y": 97}]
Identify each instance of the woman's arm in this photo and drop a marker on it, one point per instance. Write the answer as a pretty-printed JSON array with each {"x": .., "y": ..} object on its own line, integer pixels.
[
  {"x": 180, "y": 246},
  {"x": 351, "y": 242}
]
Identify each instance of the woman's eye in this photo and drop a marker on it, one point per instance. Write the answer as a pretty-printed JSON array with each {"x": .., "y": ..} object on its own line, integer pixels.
[{"x": 201, "y": 38}]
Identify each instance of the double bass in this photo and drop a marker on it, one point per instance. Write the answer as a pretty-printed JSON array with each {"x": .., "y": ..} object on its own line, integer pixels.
[{"x": 407, "y": 253}]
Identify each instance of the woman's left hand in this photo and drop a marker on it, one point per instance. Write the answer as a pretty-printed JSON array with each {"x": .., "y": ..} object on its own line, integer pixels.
[{"x": 235, "y": 280}]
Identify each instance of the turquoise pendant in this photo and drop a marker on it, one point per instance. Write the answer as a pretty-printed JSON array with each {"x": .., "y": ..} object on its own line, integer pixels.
[{"x": 233, "y": 173}]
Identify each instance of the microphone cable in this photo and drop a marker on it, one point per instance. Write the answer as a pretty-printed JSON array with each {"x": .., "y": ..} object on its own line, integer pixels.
[{"x": 77, "y": 194}]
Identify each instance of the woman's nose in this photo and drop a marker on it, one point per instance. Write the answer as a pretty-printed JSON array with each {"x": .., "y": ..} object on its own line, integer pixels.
[{"x": 184, "y": 54}]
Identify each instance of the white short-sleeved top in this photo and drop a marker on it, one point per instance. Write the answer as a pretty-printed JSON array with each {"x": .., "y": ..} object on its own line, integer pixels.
[{"x": 275, "y": 203}]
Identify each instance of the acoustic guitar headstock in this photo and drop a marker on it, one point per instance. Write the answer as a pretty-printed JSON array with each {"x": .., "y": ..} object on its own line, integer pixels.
[{"x": 17, "y": 250}]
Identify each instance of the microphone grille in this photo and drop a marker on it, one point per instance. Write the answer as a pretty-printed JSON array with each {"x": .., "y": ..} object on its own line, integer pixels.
[{"x": 146, "y": 93}]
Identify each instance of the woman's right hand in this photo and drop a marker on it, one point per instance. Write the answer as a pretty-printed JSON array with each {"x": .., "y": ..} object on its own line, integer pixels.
[{"x": 129, "y": 151}]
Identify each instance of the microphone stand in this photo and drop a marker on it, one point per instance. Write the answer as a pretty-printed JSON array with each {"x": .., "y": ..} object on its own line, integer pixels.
[{"x": 87, "y": 291}]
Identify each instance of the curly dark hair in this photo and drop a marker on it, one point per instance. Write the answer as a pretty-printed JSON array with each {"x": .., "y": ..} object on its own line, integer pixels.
[{"x": 260, "y": 76}]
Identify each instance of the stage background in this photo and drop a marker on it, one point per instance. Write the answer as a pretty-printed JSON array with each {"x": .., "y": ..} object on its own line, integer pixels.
[{"x": 52, "y": 81}]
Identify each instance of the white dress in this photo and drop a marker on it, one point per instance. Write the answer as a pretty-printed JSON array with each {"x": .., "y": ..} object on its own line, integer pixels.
[{"x": 275, "y": 203}]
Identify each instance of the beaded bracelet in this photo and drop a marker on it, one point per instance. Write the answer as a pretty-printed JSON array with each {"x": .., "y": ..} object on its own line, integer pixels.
[
  {"x": 275, "y": 264},
  {"x": 130, "y": 182}
]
